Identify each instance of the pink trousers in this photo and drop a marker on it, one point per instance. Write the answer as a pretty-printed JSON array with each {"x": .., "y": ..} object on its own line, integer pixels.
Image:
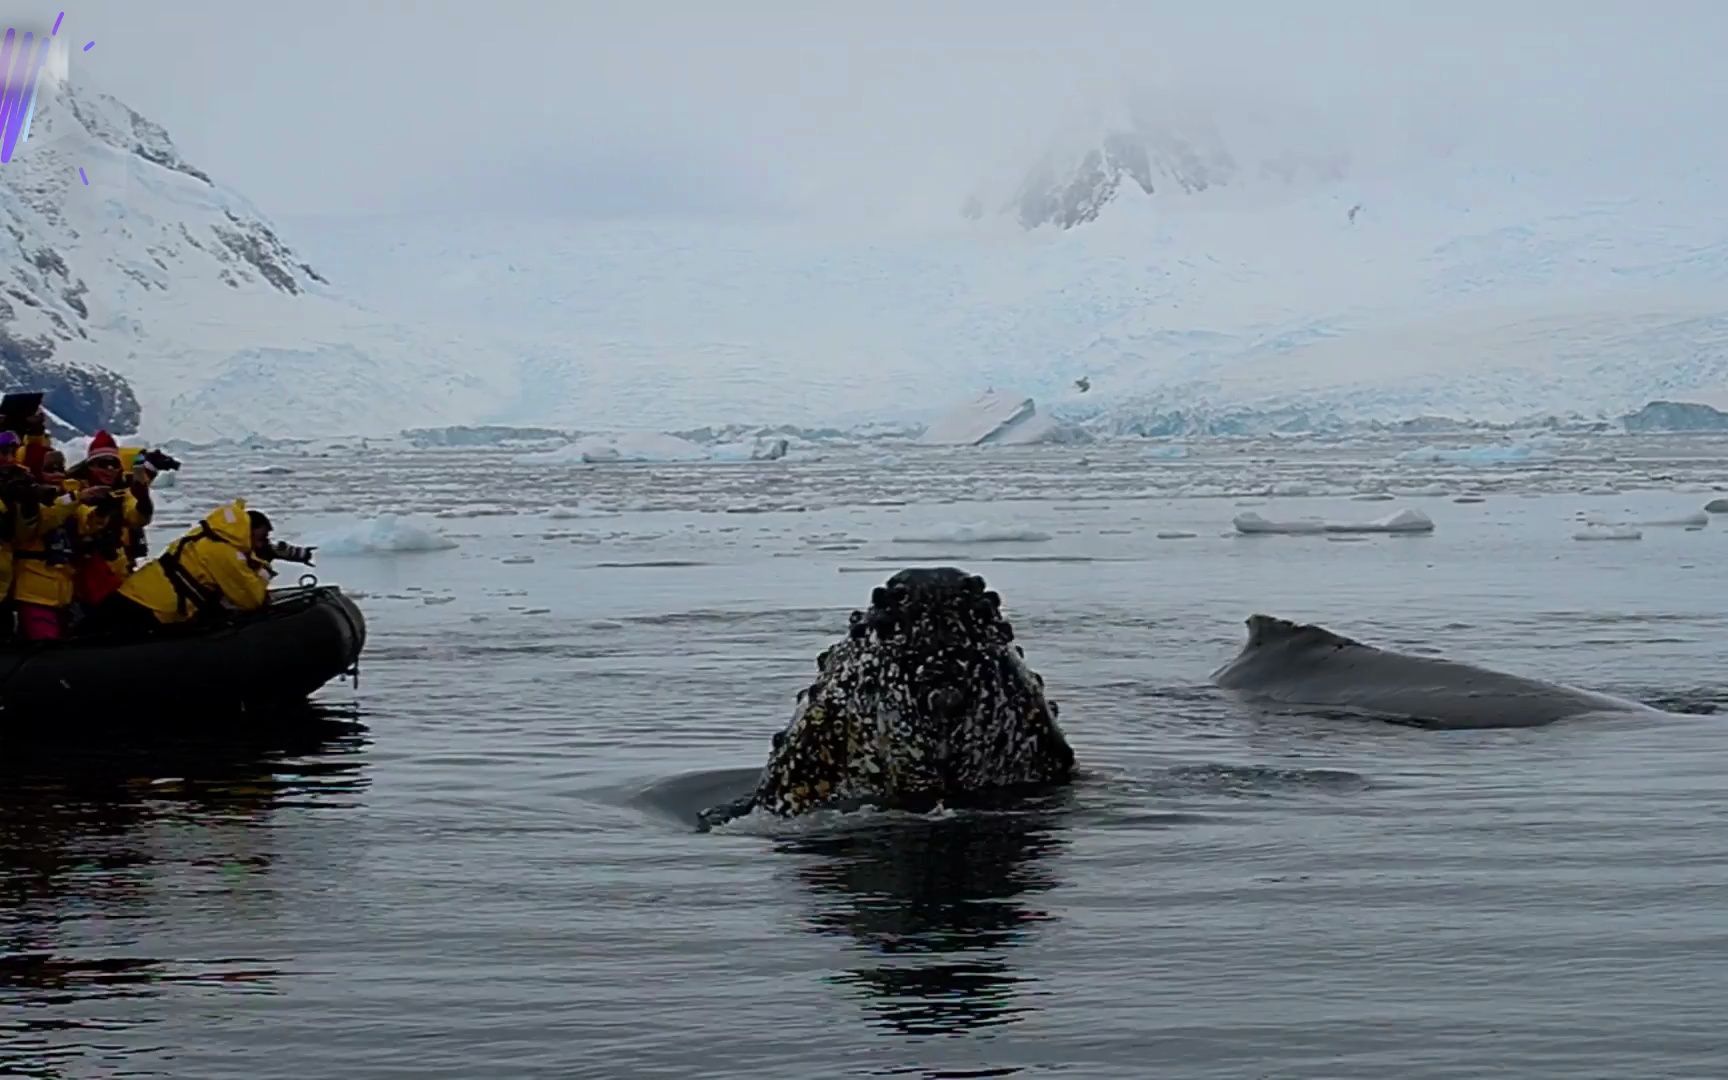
[{"x": 38, "y": 623}]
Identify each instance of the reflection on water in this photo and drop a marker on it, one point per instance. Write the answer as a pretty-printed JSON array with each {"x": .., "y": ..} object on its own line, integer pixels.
[
  {"x": 938, "y": 903},
  {"x": 94, "y": 826}
]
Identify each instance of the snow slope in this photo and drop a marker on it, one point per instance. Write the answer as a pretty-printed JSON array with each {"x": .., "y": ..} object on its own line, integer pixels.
[
  {"x": 155, "y": 280},
  {"x": 1462, "y": 298}
]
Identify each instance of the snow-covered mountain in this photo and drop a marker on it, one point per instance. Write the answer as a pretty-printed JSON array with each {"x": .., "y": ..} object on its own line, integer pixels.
[
  {"x": 1474, "y": 296},
  {"x": 154, "y": 298},
  {"x": 1145, "y": 152}
]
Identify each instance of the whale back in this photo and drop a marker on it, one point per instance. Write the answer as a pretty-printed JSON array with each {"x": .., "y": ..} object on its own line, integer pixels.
[{"x": 1295, "y": 664}]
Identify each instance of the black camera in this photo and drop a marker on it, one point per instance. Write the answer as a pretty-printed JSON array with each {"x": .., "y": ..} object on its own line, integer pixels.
[{"x": 160, "y": 460}]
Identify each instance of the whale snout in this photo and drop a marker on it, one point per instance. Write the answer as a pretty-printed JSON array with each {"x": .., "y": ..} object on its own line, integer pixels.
[{"x": 927, "y": 697}]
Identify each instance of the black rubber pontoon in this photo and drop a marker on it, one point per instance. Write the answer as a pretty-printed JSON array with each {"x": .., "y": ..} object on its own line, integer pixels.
[{"x": 301, "y": 640}]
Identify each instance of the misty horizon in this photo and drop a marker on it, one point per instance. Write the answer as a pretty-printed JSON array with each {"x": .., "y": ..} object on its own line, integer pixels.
[{"x": 762, "y": 110}]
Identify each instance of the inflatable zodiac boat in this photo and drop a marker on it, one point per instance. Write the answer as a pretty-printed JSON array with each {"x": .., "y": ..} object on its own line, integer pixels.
[{"x": 279, "y": 655}]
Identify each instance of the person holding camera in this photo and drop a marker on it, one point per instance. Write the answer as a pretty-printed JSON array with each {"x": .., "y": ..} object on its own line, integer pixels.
[
  {"x": 107, "y": 540},
  {"x": 222, "y": 564},
  {"x": 43, "y": 551},
  {"x": 21, "y": 499}
]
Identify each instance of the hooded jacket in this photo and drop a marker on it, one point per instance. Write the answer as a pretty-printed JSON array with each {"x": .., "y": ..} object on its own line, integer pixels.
[{"x": 210, "y": 568}]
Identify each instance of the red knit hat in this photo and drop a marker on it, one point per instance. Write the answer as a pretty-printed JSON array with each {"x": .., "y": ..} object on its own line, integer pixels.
[{"x": 102, "y": 445}]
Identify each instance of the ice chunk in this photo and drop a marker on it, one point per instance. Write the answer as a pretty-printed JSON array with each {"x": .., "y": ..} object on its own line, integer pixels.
[
  {"x": 974, "y": 534},
  {"x": 758, "y": 450},
  {"x": 1508, "y": 454},
  {"x": 630, "y": 446},
  {"x": 1166, "y": 451},
  {"x": 995, "y": 418},
  {"x": 1608, "y": 532},
  {"x": 1404, "y": 521},
  {"x": 384, "y": 535},
  {"x": 1251, "y": 524},
  {"x": 1687, "y": 521},
  {"x": 1716, "y": 506}
]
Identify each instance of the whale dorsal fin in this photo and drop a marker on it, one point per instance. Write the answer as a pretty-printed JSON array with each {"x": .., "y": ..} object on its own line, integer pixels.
[{"x": 1265, "y": 630}]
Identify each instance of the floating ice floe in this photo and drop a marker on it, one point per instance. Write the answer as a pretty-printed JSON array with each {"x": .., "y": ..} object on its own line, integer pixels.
[
  {"x": 996, "y": 418},
  {"x": 630, "y": 446},
  {"x": 1686, "y": 521},
  {"x": 1404, "y": 521},
  {"x": 1608, "y": 532},
  {"x": 974, "y": 534},
  {"x": 1511, "y": 454},
  {"x": 385, "y": 535}
]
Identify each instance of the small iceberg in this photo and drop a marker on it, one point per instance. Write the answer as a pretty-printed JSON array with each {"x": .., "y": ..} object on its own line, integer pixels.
[
  {"x": 1686, "y": 521},
  {"x": 974, "y": 534},
  {"x": 386, "y": 535},
  {"x": 997, "y": 419},
  {"x": 1512, "y": 454},
  {"x": 632, "y": 446},
  {"x": 1404, "y": 521},
  {"x": 1608, "y": 532},
  {"x": 759, "y": 450},
  {"x": 1716, "y": 506}
]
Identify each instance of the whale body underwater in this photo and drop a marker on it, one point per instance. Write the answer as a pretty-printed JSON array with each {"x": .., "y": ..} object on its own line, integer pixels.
[{"x": 1307, "y": 667}]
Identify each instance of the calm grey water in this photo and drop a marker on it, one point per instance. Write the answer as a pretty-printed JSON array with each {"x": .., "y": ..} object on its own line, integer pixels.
[{"x": 495, "y": 873}]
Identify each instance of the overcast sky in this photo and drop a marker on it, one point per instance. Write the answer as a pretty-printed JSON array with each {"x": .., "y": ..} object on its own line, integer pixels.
[{"x": 333, "y": 106}]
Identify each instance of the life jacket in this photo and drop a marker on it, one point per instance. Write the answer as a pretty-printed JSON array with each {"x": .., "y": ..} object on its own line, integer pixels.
[{"x": 201, "y": 573}]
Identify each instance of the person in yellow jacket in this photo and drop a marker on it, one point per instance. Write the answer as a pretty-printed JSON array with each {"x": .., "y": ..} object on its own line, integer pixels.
[
  {"x": 43, "y": 550},
  {"x": 20, "y": 503},
  {"x": 221, "y": 564},
  {"x": 105, "y": 554}
]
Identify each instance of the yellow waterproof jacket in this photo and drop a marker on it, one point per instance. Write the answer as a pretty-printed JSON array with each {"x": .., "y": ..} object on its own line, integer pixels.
[
  {"x": 43, "y": 550},
  {"x": 114, "y": 530},
  {"x": 211, "y": 566},
  {"x": 11, "y": 526}
]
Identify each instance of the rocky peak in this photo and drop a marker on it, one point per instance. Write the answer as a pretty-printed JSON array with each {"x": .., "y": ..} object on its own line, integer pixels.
[
  {"x": 76, "y": 259},
  {"x": 1142, "y": 152}
]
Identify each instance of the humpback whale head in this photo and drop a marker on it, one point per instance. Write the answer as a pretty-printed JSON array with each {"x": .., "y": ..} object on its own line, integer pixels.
[{"x": 926, "y": 701}]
